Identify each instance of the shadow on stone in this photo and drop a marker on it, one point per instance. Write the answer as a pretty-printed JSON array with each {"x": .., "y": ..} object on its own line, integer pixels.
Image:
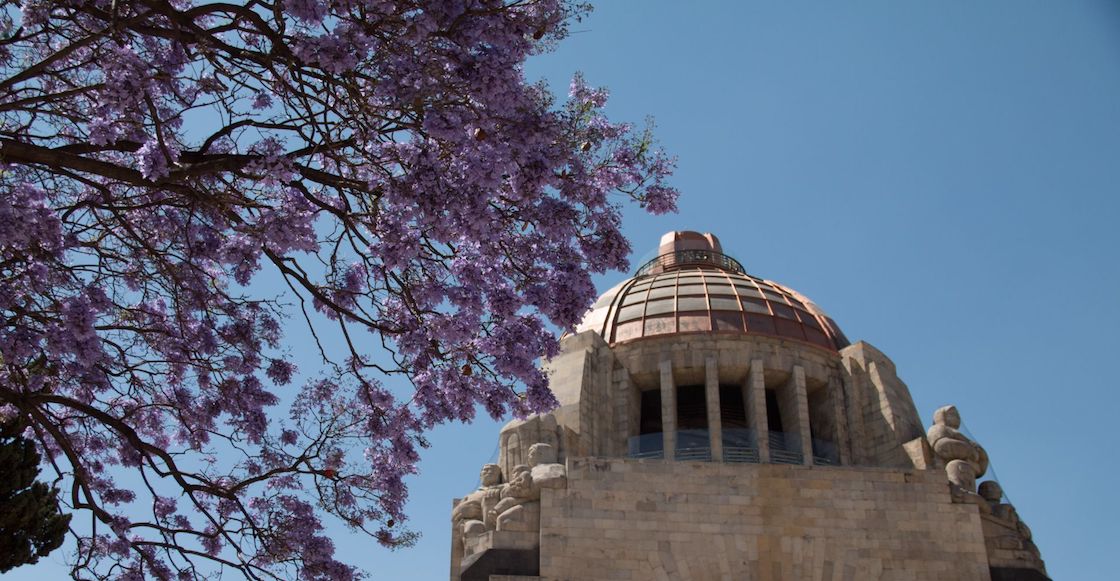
[
  {"x": 1017, "y": 574},
  {"x": 480, "y": 566}
]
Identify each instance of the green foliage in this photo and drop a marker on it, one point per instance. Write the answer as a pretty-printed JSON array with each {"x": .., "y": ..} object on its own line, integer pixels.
[{"x": 31, "y": 525}]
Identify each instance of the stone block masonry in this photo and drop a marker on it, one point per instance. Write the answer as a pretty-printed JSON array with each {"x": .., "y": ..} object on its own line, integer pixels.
[{"x": 618, "y": 520}]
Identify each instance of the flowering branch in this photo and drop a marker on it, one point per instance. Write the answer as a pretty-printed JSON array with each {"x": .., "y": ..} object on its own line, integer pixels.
[{"x": 385, "y": 159}]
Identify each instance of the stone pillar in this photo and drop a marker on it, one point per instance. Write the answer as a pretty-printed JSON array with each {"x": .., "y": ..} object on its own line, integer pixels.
[
  {"x": 668, "y": 410},
  {"x": 626, "y": 412},
  {"x": 456, "y": 547},
  {"x": 855, "y": 401},
  {"x": 836, "y": 394},
  {"x": 801, "y": 400},
  {"x": 711, "y": 399},
  {"x": 755, "y": 398}
]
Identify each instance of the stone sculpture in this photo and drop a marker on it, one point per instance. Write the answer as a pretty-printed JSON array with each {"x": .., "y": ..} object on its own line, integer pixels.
[
  {"x": 501, "y": 521},
  {"x": 469, "y": 515},
  {"x": 519, "y": 435},
  {"x": 1007, "y": 537},
  {"x": 519, "y": 506},
  {"x": 546, "y": 472},
  {"x": 992, "y": 493},
  {"x": 964, "y": 459}
]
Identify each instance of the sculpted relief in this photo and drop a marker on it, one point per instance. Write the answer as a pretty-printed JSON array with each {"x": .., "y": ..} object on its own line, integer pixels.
[
  {"x": 513, "y": 505},
  {"x": 518, "y": 437},
  {"x": 468, "y": 515}
]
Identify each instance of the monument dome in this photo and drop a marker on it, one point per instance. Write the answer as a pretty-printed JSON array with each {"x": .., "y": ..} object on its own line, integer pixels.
[
  {"x": 716, "y": 425},
  {"x": 692, "y": 287}
]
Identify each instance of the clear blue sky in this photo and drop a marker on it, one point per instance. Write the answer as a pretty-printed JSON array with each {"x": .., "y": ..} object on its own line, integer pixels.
[{"x": 941, "y": 177}]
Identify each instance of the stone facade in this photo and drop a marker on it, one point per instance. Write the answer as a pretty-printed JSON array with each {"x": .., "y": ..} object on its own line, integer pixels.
[
  {"x": 618, "y": 520},
  {"x": 766, "y": 450}
]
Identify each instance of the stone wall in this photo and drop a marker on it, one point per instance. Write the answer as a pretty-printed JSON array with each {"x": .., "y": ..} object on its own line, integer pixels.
[
  {"x": 617, "y": 519},
  {"x": 581, "y": 378},
  {"x": 879, "y": 407}
]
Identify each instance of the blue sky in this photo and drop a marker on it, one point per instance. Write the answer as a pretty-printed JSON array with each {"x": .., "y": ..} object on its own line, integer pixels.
[{"x": 940, "y": 177}]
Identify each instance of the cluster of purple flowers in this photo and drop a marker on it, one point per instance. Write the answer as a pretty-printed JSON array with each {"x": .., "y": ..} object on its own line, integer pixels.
[{"x": 386, "y": 158}]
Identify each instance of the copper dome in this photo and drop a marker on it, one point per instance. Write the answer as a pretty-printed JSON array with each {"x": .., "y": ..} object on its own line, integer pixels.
[{"x": 692, "y": 287}]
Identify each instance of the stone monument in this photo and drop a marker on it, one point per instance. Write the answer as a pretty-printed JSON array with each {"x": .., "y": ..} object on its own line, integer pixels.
[{"x": 717, "y": 425}]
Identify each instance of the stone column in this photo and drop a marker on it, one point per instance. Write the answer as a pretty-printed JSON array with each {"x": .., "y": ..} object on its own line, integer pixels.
[
  {"x": 755, "y": 398},
  {"x": 456, "y": 547},
  {"x": 801, "y": 399},
  {"x": 668, "y": 410},
  {"x": 711, "y": 399},
  {"x": 836, "y": 394},
  {"x": 854, "y": 398},
  {"x": 625, "y": 412}
]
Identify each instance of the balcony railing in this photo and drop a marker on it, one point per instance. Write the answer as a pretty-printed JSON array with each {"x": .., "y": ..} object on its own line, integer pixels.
[
  {"x": 647, "y": 446},
  {"x": 740, "y": 445},
  {"x": 693, "y": 445},
  {"x": 825, "y": 453},
  {"x": 785, "y": 448},
  {"x": 683, "y": 258}
]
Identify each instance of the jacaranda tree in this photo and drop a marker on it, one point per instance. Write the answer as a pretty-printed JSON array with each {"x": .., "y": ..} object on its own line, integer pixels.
[{"x": 426, "y": 210}]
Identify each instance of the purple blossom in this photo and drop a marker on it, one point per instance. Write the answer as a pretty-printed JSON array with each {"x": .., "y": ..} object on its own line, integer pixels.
[
  {"x": 660, "y": 200},
  {"x": 164, "y": 507},
  {"x": 586, "y": 96},
  {"x": 383, "y": 163},
  {"x": 27, "y": 223},
  {"x": 262, "y": 100},
  {"x": 309, "y": 11},
  {"x": 289, "y": 437},
  {"x": 280, "y": 372},
  {"x": 154, "y": 160}
]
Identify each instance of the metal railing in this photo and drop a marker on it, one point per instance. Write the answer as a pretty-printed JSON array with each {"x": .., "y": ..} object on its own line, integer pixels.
[
  {"x": 740, "y": 446},
  {"x": 682, "y": 258},
  {"x": 825, "y": 453},
  {"x": 785, "y": 448},
  {"x": 693, "y": 446},
  {"x": 646, "y": 446}
]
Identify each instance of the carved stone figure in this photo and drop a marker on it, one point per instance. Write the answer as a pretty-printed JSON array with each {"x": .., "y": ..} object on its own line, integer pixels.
[
  {"x": 518, "y": 479},
  {"x": 992, "y": 493},
  {"x": 964, "y": 459},
  {"x": 519, "y": 507},
  {"x": 545, "y": 471},
  {"x": 519, "y": 435},
  {"x": 469, "y": 515}
]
